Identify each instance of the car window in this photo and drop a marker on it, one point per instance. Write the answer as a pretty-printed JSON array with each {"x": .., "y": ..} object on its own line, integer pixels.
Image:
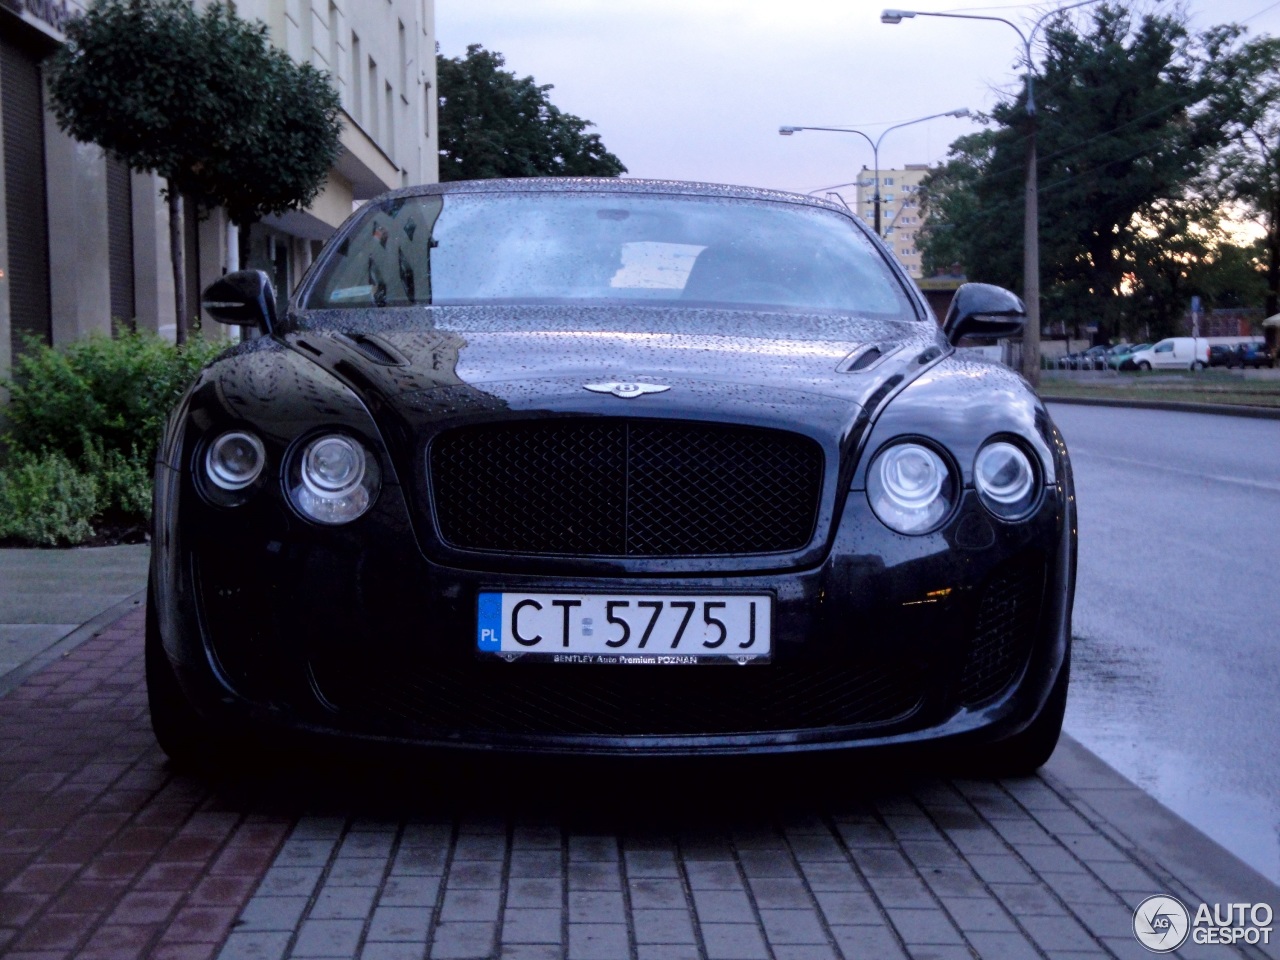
[
  {"x": 1163, "y": 347},
  {"x": 607, "y": 248}
]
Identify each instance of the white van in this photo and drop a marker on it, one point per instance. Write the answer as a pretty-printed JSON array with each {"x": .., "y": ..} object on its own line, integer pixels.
[{"x": 1174, "y": 353}]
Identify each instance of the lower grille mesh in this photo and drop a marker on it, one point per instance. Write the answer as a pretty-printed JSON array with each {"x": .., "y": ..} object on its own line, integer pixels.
[
  {"x": 553, "y": 699},
  {"x": 615, "y": 488},
  {"x": 1004, "y": 630}
]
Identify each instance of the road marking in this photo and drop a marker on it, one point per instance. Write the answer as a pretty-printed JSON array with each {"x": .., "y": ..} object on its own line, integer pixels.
[{"x": 1147, "y": 465}]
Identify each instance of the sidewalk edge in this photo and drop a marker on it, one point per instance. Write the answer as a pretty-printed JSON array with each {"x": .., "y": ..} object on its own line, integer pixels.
[
  {"x": 1180, "y": 406},
  {"x": 1175, "y": 849},
  {"x": 90, "y": 628}
]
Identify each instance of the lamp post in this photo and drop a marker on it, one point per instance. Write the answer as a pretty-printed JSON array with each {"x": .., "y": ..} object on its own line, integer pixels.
[
  {"x": 1031, "y": 214},
  {"x": 875, "y": 145}
]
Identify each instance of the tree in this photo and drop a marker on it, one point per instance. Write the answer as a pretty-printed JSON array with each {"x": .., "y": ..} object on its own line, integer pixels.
[
  {"x": 1126, "y": 135},
  {"x": 495, "y": 124},
  {"x": 1247, "y": 97},
  {"x": 204, "y": 101}
]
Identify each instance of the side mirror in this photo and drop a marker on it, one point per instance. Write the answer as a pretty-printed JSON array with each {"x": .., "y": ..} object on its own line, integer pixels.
[
  {"x": 245, "y": 298},
  {"x": 983, "y": 310}
]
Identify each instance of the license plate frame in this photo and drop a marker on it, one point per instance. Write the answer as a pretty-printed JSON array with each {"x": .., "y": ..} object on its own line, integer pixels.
[{"x": 658, "y": 628}]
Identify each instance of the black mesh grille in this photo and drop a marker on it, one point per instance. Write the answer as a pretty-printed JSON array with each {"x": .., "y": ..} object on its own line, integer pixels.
[
  {"x": 553, "y": 699},
  {"x": 625, "y": 488},
  {"x": 1004, "y": 630}
]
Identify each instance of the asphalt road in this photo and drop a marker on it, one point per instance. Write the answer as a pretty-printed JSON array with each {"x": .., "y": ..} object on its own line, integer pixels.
[{"x": 1176, "y": 677}]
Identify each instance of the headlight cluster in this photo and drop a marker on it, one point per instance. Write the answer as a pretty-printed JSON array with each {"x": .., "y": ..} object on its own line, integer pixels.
[
  {"x": 330, "y": 479},
  {"x": 912, "y": 489}
]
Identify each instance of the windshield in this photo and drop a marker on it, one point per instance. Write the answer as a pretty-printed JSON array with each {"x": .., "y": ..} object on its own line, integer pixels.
[{"x": 465, "y": 249}]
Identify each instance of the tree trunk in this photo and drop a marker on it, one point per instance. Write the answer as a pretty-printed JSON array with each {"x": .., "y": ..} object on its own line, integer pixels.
[{"x": 177, "y": 254}]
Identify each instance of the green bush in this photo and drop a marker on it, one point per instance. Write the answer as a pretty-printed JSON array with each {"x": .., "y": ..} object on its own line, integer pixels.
[
  {"x": 84, "y": 423},
  {"x": 115, "y": 391},
  {"x": 46, "y": 500}
]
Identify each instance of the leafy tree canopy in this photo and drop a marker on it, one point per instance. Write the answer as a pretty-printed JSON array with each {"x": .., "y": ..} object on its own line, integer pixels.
[
  {"x": 200, "y": 98},
  {"x": 1127, "y": 135},
  {"x": 495, "y": 124}
]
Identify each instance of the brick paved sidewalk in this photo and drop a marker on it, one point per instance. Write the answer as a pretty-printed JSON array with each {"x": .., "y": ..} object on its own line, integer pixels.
[{"x": 104, "y": 853}]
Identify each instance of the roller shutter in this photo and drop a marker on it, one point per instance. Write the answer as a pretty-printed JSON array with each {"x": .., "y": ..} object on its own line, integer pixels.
[{"x": 26, "y": 213}]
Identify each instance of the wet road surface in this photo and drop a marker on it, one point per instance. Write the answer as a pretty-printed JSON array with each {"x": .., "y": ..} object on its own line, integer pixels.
[{"x": 1176, "y": 678}]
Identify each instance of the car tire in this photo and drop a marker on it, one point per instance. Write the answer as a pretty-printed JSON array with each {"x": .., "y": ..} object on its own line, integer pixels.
[
  {"x": 182, "y": 733},
  {"x": 1198, "y": 365},
  {"x": 1027, "y": 751},
  {"x": 1144, "y": 365}
]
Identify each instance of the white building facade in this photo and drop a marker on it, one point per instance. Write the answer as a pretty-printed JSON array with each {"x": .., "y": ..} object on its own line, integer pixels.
[{"x": 84, "y": 242}]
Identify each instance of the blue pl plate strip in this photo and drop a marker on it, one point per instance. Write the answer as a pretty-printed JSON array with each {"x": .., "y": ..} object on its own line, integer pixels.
[{"x": 489, "y": 622}]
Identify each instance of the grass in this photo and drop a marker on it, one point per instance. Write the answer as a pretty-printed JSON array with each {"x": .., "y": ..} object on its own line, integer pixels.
[{"x": 1208, "y": 386}]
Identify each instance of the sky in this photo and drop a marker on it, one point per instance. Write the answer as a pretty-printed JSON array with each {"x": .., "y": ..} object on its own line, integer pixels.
[{"x": 696, "y": 89}]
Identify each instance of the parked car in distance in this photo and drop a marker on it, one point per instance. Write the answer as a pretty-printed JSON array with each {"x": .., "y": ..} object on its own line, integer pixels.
[
  {"x": 1174, "y": 353},
  {"x": 1255, "y": 355},
  {"x": 1222, "y": 355},
  {"x": 614, "y": 467},
  {"x": 1091, "y": 359},
  {"x": 1124, "y": 359}
]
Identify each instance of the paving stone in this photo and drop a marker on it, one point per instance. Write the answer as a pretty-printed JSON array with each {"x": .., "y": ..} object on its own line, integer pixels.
[
  {"x": 840, "y": 907},
  {"x": 723, "y": 906},
  {"x": 391, "y": 951},
  {"x": 1023, "y": 899},
  {"x": 901, "y": 892},
  {"x": 1000, "y": 869},
  {"x": 409, "y": 892},
  {"x": 804, "y": 951},
  {"x": 531, "y": 951},
  {"x": 542, "y": 864},
  {"x": 328, "y": 938},
  {"x": 598, "y": 941},
  {"x": 733, "y": 941},
  {"x": 954, "y": 883},
  {"x": 666, "y": 951},
  {"x": 286, "y": 881},
  {"x": 343, "y": 903},
  {"x": 663, "y": 926},
  {"x": 272, "y": 913},
  {"x": 400, "y": 923},
  {"x": 923, "y": 926},
  {"x": 470, "y": 905},
  {"x": 652, "y": 863},
  {"x": 831, "y": 876},
  {"x": 876, "y": 863},
  {"x": 869, "y": 943},
  {"x": 653, "y": 894},
  {"x": 475, "y": 875},
  {"x": 793, "y": 926},
  {"x": 979, "y": 914},
  {"x": 533, "y": 893},
  {"x": 592, "y": 875},
  {"x": 462, "y": 940},
  {"x": 780, "y": 892},
  {"x": 532, "y": 925},
  {"x": 255, "y": 946},
  {"x": 597, "y": 906},
  {"x": 713, "y": 875}
]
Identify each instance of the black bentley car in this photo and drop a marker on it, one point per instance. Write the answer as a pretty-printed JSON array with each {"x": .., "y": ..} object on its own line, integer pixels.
[{"x": 611, "y": 467}]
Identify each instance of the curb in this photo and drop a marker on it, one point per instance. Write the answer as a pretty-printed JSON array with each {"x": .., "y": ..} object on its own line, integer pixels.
[
  {"x": 1180, "y": 406},
  {"x": 87, "y": 630}
]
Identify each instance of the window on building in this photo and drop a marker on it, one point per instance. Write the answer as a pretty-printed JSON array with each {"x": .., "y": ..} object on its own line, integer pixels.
[
  {"x": 388, "y": 134},
  {"x": 888, "y": 181},
  {"x": 404, "y": 59},
  {"x": 888, "y": 198},
  {"x": 372, "y": 128},
  {"x": 338, "y": 75},
  {"x": 357, "y": 83}
]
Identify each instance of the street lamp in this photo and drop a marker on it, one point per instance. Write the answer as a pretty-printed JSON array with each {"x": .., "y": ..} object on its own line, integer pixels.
[
  {"x": 1031, "y": 215},
  {"x": 875, "y": 144}
]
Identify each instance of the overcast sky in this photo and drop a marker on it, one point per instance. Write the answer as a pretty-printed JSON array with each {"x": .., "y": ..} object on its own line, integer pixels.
[{"x": 696, "y": 89}]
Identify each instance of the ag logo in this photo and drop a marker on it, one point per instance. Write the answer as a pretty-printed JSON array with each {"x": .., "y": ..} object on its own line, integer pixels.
[
  {"x": 1161, "y": 924},
  {"x": 626, "y": 390}
]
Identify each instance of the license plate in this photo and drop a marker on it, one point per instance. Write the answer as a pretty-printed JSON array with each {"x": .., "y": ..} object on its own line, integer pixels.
[{"x": 662, "y": 629}]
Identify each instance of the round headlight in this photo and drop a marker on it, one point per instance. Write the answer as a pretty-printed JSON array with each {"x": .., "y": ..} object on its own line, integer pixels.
[
  {"x": 234, "y": 460},
  {"x": 1005, "y": 480},
  {"x": 910, "y": 488},
  {"x": 333, "y": 479}
]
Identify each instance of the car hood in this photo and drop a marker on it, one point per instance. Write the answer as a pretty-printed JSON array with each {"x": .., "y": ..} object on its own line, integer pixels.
[{"x": 450, "y": 363}]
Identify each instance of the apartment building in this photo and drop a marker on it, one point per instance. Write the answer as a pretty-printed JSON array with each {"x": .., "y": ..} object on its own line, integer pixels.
[
  {"x": 900, "y": 214},
  {"x": 84, "y": 240}
]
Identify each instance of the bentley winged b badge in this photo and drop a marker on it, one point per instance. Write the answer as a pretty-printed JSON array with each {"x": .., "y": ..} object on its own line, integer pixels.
[{"x": 626, "y": 390}]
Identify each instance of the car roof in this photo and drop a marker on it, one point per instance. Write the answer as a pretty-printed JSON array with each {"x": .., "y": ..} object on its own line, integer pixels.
[{"x": 619, "y": 185}]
